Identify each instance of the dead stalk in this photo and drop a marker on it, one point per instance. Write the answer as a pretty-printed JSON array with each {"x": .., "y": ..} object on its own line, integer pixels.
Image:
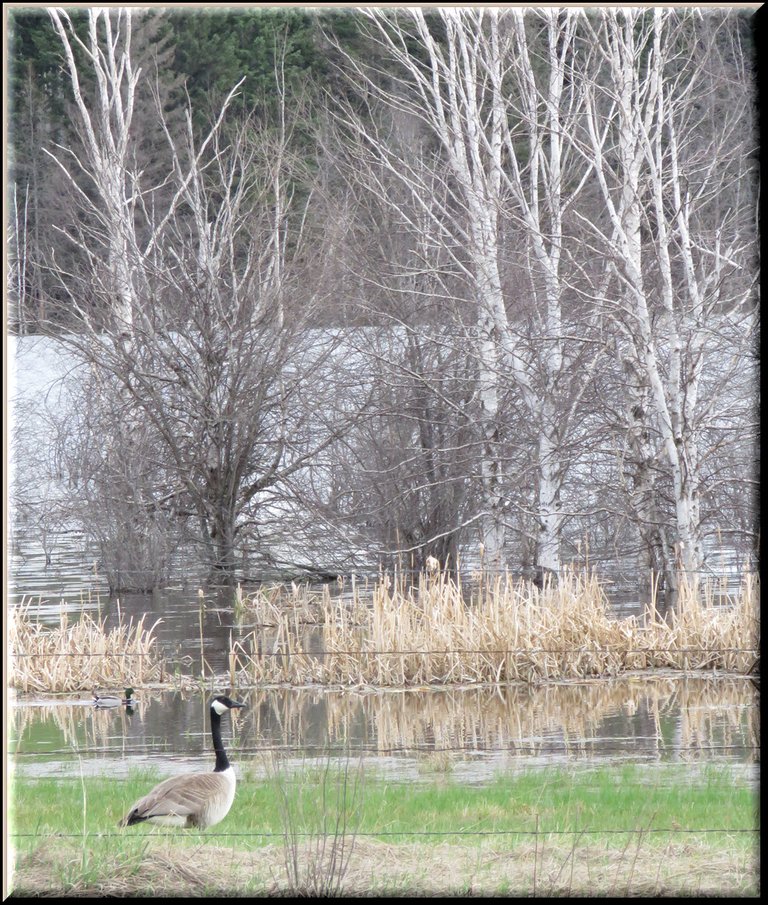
[
  {"x": 434, "y": 631},
  {"x": 81, "y": 656}
]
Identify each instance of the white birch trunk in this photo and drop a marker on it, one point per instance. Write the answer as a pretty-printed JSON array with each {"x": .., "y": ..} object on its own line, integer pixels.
[
  {"x": 649, "y": 169},
  {"x": 107, "y": 134},
  {"x": 492, "y": 325},
  {"x": 550, "y": 482},
  {"x": 461, "y": 91},
  {"x": 475, "y": 158},
  {"x": 107, "y": 131},
  {"x": 542, "y": 202}
]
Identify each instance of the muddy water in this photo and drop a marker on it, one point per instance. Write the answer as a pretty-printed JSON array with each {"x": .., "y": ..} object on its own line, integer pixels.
[{"x": 410, "y": 736}]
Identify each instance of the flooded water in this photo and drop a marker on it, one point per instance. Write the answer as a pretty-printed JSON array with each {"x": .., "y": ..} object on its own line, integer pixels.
[
  {"x": 54, "y": 575},
  {"x": 62, "y": 563},
  {"x": 409, "y": 736}
]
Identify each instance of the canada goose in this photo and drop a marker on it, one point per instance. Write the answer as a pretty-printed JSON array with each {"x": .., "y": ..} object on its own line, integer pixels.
[
  {"x": 194, "y": 799},
  {"x": 112, "y": 700}
]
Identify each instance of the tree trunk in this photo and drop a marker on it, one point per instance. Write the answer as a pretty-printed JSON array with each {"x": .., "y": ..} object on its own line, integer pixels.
[
  {"x": 223, "y": 533},
  {"x": 492, "y": 526},
  {"x": 550, "y": 519}
]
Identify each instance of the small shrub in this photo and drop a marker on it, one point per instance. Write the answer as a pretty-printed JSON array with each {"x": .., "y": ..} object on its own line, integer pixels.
[{"x": 320, "y": 817}]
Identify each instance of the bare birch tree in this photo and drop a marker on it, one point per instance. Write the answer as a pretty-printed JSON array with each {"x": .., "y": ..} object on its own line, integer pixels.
[
  {"x": 678, "y": 254},
  {"x": 107, "y": 137},
  {"x": 498, "y": 112},
  {"x": 206, "y": 348}
]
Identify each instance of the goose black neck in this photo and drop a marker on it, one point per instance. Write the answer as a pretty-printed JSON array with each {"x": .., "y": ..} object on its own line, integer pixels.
[{"x": 222, "y": 763}]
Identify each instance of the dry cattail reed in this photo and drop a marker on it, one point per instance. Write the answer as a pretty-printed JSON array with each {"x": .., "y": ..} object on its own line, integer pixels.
[
  {"x": 81, "y": 656},
  {"x": 434, "y": 632}
]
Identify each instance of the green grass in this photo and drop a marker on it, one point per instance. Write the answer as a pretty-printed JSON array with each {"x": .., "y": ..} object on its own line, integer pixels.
[{"x": 554, "y": 800}]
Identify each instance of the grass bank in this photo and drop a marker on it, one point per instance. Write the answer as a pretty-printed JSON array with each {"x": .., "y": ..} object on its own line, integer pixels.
[
  {"x": 554, "y": 800},
  {"x": 555, "y": 828}
]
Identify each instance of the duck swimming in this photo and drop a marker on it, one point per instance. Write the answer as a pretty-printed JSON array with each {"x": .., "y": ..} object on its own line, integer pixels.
[{"x": 103, "y": 701}]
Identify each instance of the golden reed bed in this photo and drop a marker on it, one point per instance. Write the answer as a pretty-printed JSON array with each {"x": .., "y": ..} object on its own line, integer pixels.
[
  {"x": 80, "y": 655},
  {"x": 437, "y": 632}
]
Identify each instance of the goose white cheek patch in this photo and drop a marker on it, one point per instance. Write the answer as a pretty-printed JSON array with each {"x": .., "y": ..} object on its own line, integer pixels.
[{"x": 219, "y": 707}]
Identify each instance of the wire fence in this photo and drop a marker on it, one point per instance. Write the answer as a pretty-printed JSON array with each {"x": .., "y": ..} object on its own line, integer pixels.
[
  {"x": 415, "y": 652},
  {"x": 467, "y": 569},
  {"x": 374, "y": 834},
  {"x": 309, "y": 749}
]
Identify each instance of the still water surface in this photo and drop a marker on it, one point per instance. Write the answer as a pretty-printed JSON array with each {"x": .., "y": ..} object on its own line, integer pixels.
[{"x": 469, "y": 735}]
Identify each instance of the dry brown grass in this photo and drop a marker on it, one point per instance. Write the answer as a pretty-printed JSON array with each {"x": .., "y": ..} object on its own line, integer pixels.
[
  {"x": 271, "y": 605},
  {"x": 399, "y": 635},
  {"x": 80, "y": 655},
  {"x": 633, "y": 867},
  {"x": 500, "y": 631}
]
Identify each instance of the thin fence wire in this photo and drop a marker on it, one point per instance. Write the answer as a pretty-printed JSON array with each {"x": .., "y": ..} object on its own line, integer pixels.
[
  {"x": 551, "y": 751},
  {"x": 403, "y": 653},
  {"x": 725, "y": 573},
  {"x": 391, "y": 833},
  {"x": 300, "y": 781}
]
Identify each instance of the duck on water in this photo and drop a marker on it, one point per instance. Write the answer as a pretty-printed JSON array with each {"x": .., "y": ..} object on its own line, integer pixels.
[{"x": 103, "y": 701}]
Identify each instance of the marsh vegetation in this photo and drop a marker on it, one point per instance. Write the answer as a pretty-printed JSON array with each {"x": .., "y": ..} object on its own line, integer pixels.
[
  {"x": 400, "y": 633},
  {"x": 435, "y": 632},
  {"x": 79, "y": 653},
  {"x": 462, "y": 301}
]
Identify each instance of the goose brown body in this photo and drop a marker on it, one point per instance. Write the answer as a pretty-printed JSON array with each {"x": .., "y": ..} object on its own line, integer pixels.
[{"x": 194, "y": 799}]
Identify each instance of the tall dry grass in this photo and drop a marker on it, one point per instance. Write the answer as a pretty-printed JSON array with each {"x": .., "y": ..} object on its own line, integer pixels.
[
  {"x": 438, "y": 632},
  {"x": 80, "y": 655}
]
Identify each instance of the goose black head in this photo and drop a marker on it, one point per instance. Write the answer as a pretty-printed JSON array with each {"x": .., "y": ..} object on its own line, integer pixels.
[{"x": 221, "y": 703}]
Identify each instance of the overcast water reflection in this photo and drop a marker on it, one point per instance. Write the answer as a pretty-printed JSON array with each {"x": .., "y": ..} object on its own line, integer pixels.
[{"x": 411, "y": 736}]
